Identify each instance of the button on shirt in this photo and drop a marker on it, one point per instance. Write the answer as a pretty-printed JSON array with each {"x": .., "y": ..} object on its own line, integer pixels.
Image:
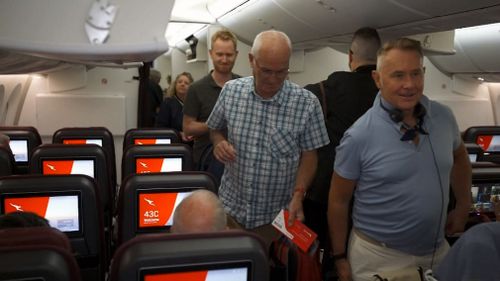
[{"x": 269, "y": 136}]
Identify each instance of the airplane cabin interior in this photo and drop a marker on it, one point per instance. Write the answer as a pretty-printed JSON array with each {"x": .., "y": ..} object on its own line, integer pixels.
[{"x": 74, "y": 72}]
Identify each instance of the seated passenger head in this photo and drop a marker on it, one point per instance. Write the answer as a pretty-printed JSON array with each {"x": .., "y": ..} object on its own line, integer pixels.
[
  {"x": 201, "y": 211},
  {"x": 4, "y": 141},
  {"x": 22, "y": 219}
]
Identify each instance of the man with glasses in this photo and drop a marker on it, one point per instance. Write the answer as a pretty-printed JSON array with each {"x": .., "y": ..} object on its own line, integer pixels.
[{"x": 273, "y": 130}]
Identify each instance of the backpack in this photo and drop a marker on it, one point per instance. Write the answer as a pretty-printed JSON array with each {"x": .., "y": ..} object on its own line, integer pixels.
[{"x": 290, "y": 263}]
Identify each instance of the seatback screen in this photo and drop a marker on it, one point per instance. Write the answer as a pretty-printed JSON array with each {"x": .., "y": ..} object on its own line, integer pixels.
[
  {"x": 158, "y": 165},
  {"x": 83, "y": 141},
  {"x": 19, "y": 149},
  {"x": 484, "y": 195},
  {"x": 62, "y": 211},
  {"x": 473, "y": 157},
  {"x": 157, "y": 209},
  {"x": 233, "y": 274},
  {"x": 209, "y": 272},
  {"x": 68, "y": 167},
  {"x": 144, "y": 141},
  {"x": 489, "y": 143}
]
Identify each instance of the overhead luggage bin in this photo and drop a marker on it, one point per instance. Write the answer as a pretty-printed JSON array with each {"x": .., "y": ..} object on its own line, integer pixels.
[{"x": 52, "y": 33}]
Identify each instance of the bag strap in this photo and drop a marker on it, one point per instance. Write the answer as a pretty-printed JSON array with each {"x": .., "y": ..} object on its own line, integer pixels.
[
  {"x": 323, "y": 97},
  {"x": 277, "y": 249},
  {"x": 379, "y": 278}
]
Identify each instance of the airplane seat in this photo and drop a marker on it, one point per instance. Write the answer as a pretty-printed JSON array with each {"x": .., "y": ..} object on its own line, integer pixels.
[
  {"x": 146, "y": 202},
  {"x": 98, "y": 135},
  {"x": 484, "y": 164},
  {"x": 86, "y": 159},
  {"x": 7, "y": 164},
  {"x": 488, "y": 138},
  {"x": 475, "y": 255},
  {"x": 71, "y": 204},
  {"x": 37, "y": 235},
  {"x": 23, "y": 140},
  {"x": 76, "y": 159},
  {"x": 470, "y": 134},
  {"x": 476, "y": 153},
  {"x": 36, "y": 253},
  {"x": 485, "y": 192},
  {"x": 150, "y": 136},
  {"x": 227, "y": 255},
  {"x": 157, "y": 159}
]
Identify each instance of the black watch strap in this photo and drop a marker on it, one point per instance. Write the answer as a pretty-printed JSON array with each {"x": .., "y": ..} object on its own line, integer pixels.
[{"x": 339, "y": 256}]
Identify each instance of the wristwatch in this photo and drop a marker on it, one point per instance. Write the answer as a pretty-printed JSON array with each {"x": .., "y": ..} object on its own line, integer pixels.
[{"x": 339, "y": 256}]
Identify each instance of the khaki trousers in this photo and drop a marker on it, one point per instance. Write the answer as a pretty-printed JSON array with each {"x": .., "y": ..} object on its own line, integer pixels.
[{"x": 368, "y": 257}]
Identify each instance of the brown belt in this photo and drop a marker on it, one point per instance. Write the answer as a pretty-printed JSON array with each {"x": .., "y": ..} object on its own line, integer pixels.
[{"x": 368, "y": 238}]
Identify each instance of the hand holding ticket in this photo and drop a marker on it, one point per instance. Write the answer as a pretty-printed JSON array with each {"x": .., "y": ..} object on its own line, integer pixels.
[{"x": 300, "y": 234}]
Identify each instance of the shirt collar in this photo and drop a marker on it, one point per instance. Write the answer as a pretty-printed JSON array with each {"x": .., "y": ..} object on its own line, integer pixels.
[
  {"x": 178, "y": 99},
  {"x": 212, "y": 81},
  {"x": 424, "y": 100},
  {"x": 278, "y": 98},
  {"x": 365, "y": 68}
]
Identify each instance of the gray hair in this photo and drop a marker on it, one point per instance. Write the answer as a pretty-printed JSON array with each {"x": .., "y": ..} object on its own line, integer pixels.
[
  {"x": 257, "y": 42},
  {"x": 4, "y": 140},
  {"x": 155, "y": 75},
  {"x": 199, "y": 204},
  {"x": 405, "y": 44}
]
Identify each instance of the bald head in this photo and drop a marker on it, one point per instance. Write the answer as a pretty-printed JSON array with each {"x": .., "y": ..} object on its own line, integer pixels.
[
  {"x": 271, "y": 41},
  {"x": 201, "y": 211},
  {"x": 4, "y": 140},
  {"x": 270, "y": 59}
]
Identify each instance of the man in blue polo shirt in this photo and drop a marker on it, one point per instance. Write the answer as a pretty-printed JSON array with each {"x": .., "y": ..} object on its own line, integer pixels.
[{"x": 398, "y": 161}]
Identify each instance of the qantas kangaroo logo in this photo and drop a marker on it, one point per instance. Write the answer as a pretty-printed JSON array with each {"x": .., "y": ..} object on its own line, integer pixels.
[
  {"x": 150, "y": 202},
  {"x": 18, "y": 207},
  {"x": 51, "y": 167}
]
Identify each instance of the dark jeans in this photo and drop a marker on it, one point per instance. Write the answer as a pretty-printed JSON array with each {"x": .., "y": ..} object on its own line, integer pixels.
[
  {"x": 216, "y": 168},
  {"x": 209, "y": 164}
]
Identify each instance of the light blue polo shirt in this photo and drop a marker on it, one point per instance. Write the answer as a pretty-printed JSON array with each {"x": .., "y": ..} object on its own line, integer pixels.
[{"x": 402, "y": 189}]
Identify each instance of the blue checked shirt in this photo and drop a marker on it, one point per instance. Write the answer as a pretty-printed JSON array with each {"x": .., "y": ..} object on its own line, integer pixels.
[{"x": 269, "y": 136}]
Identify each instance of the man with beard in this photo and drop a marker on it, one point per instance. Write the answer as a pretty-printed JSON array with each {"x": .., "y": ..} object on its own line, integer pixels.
[{"x": 203, "y": 93}]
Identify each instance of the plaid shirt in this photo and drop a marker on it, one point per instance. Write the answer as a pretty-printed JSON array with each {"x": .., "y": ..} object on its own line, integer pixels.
[{"x": 269, "y": 136}]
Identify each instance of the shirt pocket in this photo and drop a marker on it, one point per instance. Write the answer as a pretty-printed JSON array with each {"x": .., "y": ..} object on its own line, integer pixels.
[{"x": 283, "y": 145}]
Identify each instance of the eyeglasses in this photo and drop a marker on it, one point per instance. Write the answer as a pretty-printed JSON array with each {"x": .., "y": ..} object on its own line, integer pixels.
[{"x": 280, "y": 74}]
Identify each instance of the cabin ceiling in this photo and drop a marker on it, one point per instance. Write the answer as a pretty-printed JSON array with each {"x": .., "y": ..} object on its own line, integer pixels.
[
  {"x": 476, "y": 54},
  {"x": 318, "y": 23},
  {"x": 35, "y": 36}
]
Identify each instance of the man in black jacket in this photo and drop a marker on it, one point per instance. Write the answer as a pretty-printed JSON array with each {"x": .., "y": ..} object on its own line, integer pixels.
[{"x": 345, "y": 97}]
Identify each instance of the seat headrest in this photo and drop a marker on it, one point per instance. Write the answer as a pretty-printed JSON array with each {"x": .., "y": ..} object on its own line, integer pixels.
[{"x": 34, "y": 236}]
